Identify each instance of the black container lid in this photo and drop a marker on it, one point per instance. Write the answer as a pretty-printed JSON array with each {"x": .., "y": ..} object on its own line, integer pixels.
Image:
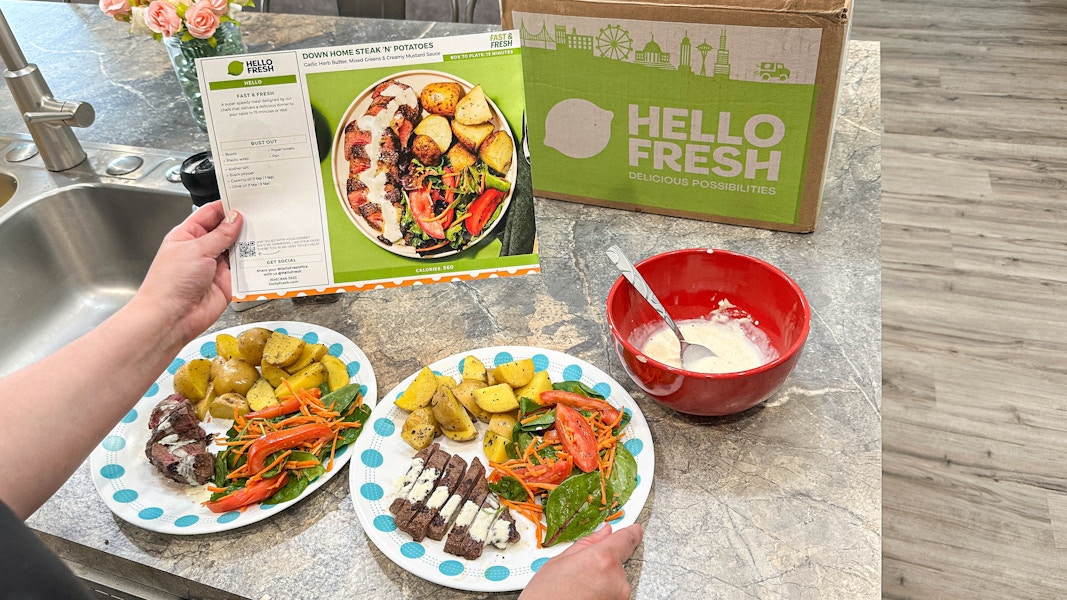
[{"x": 198, "y": 176}]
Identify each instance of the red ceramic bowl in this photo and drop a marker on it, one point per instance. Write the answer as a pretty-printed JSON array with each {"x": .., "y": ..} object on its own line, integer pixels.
[{"x": 690, "y": 284}]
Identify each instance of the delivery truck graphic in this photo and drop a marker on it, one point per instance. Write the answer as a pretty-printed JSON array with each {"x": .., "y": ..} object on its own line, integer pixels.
[{"x": 769, "y": 70}]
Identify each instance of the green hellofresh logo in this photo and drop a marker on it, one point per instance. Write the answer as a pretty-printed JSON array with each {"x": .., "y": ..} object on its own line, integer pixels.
[{"x": 235, "y": 68}]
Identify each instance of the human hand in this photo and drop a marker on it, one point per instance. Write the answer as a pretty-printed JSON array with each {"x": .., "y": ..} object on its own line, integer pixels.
[
  {"x": 589, "y": 569},
  {"x": 189, "y": 280}
]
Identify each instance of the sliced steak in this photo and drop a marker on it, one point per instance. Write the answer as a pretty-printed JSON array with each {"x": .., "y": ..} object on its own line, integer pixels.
[
  {"x": 415, "y": 467},
  {"x": 426, "y": 511},
  {"x": 444, "y": 518},
  {"x": 423, "y": 488},
  {"x": 457, "y": 537},
  {"x": 177, "y": 445}
]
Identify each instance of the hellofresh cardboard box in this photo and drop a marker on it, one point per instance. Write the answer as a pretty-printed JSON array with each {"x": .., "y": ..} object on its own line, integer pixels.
[{"x": 721, "y": 111}]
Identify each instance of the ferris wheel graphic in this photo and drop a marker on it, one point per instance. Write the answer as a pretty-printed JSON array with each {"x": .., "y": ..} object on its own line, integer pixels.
[{"x": 614, "y": 42}]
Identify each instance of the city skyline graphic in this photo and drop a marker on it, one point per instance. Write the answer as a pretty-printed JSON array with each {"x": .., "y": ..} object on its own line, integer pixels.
[{"x": 616, "y": 43}]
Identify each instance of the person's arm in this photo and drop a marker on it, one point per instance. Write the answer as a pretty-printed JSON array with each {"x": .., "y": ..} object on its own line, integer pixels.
[
  {"x": 591, "y": 569},
  {"x": 58, "y": 409}
]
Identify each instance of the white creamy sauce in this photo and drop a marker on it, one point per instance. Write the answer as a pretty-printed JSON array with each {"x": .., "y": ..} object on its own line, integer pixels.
[
  {"x": 499, "y": 533},
  {"x": 480, "y": 527},
  {"x": 467, "y": 514},
  {"x": 737, "y": 342},
  {"x": 409, "y": 478},
  {"x": 375, "y": 181},
  {"x": 437, "y": 498},
  {"x": 450, "y": 507},
  {"x": 423, "y": 485},
  {"x": 186, "y": 469}
]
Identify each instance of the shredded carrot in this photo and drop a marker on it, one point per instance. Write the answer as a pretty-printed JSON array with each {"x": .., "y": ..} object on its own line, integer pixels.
[{"x": 513, "y": 474}]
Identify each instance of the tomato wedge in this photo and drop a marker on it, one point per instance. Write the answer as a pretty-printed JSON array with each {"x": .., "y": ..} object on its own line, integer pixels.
[
  {"x": 554, "y": 473},
  {"x": 422, "y": 209},
  {"x": 577, "y": 438},
  {"x": 257, "y": 491},
  {"x": 573, "y": 400},
  {"x": 284, "y": 439}
]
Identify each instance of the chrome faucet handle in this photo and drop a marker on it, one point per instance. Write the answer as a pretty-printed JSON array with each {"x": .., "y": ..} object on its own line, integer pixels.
[{"x": 75, "y": 114}]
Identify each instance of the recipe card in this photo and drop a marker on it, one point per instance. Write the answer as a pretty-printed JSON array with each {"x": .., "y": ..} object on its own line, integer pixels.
[{"x": 375, "y": 165}]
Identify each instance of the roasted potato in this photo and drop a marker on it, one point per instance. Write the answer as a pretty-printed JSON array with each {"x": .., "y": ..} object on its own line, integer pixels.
[
  {"x": 235, "y": 376},
  {"x": 420, "y": 392},
  {"x": 497, "y": 398},
  {"x": 202, "y": 407},
  {"x": 473, "y": 369},
  {"x": 503, "y": 424},
  {"x": 495, "y": 447},
  {"x": 311, "y": 376},
  {"x": 441, "y": 98},
  {"x": 460, "y": 158},
  {"x": 250, "y": 344},
  {"x": 337, "y": 372},
  {"x": 282, "y": 350},
  {"x": 516, "y": 373},
  {"x": 539, "y": 383},
  {"x": 471, "y": 136},
  {"x": 437, "y": 128},
  {"x": 191, "y": 379},
  {"x": 226, "y": 346},
  {"x": 496, "y": 151},
  {"x": 420, "y": 428},
  {"x": 226, "y": 405},
  {"x": 261, "y": 395},
  {"x": 464, "y": 392},
  {"x": 426, "y": 150},
  {"x": 473, "y": 108},
  {"x": 273, "y": 374},
  {"x": 451, "y": 416},
  {"x": 311, "y": 353}
]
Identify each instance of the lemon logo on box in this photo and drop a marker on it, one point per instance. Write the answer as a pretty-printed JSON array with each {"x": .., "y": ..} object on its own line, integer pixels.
[{"x": 578, "y": 128}]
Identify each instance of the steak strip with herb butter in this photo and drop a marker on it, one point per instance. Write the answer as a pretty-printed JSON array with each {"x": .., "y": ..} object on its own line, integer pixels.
[
  {"x": 424, "y": 512},
  {"x": 414, "y": 470},
  {"x": 424, "y": 486},
  {"x": 442, "y": 521}
]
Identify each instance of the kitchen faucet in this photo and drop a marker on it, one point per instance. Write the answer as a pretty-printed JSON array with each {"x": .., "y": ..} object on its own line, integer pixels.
[{"x": 49, "y": 120}]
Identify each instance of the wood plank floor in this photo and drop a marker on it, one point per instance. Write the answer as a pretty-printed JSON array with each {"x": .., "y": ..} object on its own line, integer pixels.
[{"x": 974, "y": 303}]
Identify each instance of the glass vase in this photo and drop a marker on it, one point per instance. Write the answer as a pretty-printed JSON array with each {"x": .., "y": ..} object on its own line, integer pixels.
[{"x": 183, "y": 55}]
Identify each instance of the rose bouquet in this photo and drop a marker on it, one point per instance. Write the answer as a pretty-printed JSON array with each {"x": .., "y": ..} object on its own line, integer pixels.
[{"x": 187, "y": 19}]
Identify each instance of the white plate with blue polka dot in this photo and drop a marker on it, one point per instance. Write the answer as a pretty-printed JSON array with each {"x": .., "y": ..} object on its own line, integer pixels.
[
  {"x": 381, "y": 458},
  {"x": 138, "y": 493}
]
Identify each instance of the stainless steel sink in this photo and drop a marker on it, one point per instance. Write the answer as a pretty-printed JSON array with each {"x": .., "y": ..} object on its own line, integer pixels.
[
  {"x": 8, "y": 185},
  {"x": 75, "y": 247}
]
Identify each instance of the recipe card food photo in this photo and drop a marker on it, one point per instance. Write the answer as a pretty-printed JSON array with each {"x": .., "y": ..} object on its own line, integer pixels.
[{"x": 373, "y": 165}]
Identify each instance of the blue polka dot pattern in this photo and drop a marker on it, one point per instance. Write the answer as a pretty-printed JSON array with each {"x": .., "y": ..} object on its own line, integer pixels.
[
  {"x": 150, "y": 513},
  {"x": 497, "y": 573},
  {"x": 336, "y": 349},
  {"x": 228, "y": 517},
  {"x": 152, "y": 391},
  {"x": 265, "y": 506},
  {"x": 635, "y": 446},
  {"x": 311, "y": 337},
  {"x": 384, "y": 427},
  {"x": 413, "y": 550},
  {"x": 603, "y": 389},
  {"x": 363, "y": 391},
  {"x": 114, "y": 443},
  {"x": 132, "y": 415},
  {"x": 384, "y": 523},
  {"x": 372, "y": 458},
  {"x": 617, "y": 520},
  {"x": 282, "y": 330},
  {"x": 340, "y": 452},
  {"x": 451, "y": 568},
  {"x": 572, "y": 373},
  {"x": 112, "y": 471},
  {"x": 372, "y": 492},
  {"x": 172, "y": 368},
  {"x": 537, "y": 564},
  {"x": 540, "y": 362},
  {"x": 502, "y": 357},
  {"x": 353, "y": 369},
  {"x": 208, "y": 350},
  {"x": 186, "y": 521}
]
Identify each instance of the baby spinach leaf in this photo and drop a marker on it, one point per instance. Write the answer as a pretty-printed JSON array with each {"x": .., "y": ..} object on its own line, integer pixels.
[
  {"x": 578, "y": 388},
  {"x": 545, "y": 416},
  {"x": 575, "y": 508},
  {"x": 341, "y": 398},
  {"x": 509, "y": 488},
  {"x": 623, "y": 477},
  {"x": 290, "y": 491}
]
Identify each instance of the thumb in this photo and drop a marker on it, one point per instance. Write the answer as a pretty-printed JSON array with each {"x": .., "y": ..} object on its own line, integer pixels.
[
  {"x": 222, "y": 236},
  {"x": 623, "y": 542},
  {"x": 588, "y": 540}
]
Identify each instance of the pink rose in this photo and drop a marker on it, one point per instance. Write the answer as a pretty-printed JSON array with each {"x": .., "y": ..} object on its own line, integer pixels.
[
  {"x": 162, "y": 18},
  {"x": 113, "y": 8},
  {"x": 219, "y": 7},
  {"x": 201, "y": 20}
]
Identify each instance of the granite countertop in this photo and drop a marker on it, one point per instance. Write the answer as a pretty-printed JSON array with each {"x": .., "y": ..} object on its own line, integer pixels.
[{"x": 782, "y": 501}]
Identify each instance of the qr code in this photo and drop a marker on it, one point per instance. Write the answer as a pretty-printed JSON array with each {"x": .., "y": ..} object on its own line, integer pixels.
[{"x": 246, "y": 249}]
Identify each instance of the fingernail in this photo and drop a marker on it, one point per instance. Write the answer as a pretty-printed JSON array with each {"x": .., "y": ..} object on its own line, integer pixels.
[{"x": 231, "y": 217}]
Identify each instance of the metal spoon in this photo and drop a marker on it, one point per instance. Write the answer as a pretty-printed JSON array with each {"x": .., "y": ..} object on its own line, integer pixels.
[{"x": 690, "y": 354}]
